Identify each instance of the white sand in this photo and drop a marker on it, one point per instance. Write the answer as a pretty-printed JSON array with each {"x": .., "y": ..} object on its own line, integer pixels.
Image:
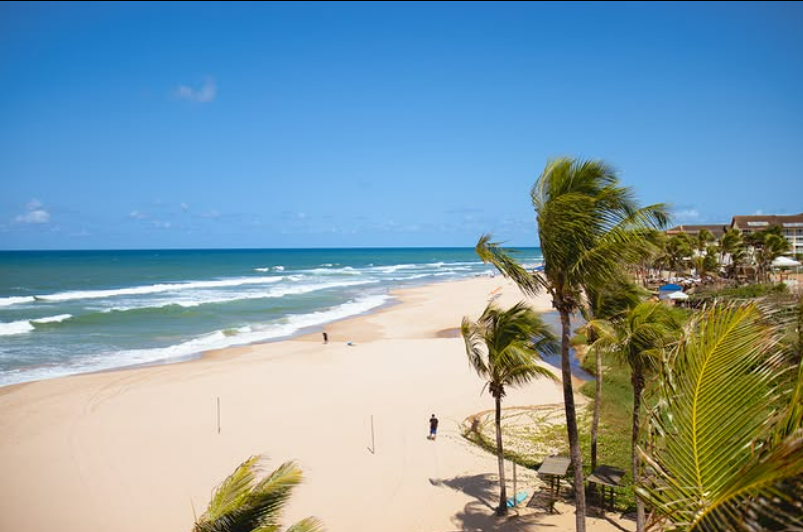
[{"x": 137, "y": 450}]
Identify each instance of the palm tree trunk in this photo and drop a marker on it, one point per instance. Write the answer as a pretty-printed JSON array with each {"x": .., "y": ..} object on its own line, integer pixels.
[
  {"x": 571, "y": 423},
  {"x": 638, "y": 386},
  {"x": 597, "y": 407},
  {"x": 502, "y": 509}
]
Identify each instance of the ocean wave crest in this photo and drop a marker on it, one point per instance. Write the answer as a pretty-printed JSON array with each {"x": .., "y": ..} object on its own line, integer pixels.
[
  {"x": 15, "y": 300},
  {"x": 216, "y": 340},
  {"x": 212, "y": 299},
  {"x": 15, "y": 327},
  {"x": 156, "y": 288}
]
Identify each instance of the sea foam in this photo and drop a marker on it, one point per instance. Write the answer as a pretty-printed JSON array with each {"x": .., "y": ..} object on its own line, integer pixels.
[
  {"x": 15, "y": 327},
  {"x": 15, "y": 300},
  {"x": 216, "y": 340},
  {"x": 26, "y": 326},
  {"x": 156, "y": 288}
]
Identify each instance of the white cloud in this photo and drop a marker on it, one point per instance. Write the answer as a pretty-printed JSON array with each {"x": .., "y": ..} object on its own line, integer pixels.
[
  {"x": 137, "y": 215},
  {"x": 36, "y": 214},
  {"x": 204, "y": 94},
  {"x": 758, "y": 213}
]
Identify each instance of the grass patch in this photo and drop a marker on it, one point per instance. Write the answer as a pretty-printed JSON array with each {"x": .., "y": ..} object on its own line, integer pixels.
[{"x": 613, "y": 439}]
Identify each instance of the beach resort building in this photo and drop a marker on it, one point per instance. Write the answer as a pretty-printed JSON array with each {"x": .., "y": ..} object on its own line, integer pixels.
[
  {"x": 791, "y": 226},
  {"x": 715, "y": 229}
]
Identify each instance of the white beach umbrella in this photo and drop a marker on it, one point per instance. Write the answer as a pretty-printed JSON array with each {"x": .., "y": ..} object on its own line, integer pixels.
[
  {"x": 678, "y": 295},
  {"x": 785, "y": 262}
]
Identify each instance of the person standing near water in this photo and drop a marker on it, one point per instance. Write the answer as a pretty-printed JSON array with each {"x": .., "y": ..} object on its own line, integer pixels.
[
  {"x": 433, "y": 427},
  {"x": 325, "y": 337}
]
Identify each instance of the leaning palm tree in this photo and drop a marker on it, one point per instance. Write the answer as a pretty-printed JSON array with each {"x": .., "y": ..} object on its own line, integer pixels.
[
  {"x": 244, "y": 504},
  {"x": 589, "y": 227},
  {"x": 728, "y": 429},
  {"x": 640, "y": 339},
  {"x": 503, "y": 347},
  {"x": 606, "y": 306}
]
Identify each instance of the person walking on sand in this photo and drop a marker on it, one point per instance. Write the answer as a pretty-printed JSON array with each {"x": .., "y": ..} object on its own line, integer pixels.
[
  {"x": 433, "y": 427},
  {"x": 325, "y": 337}
]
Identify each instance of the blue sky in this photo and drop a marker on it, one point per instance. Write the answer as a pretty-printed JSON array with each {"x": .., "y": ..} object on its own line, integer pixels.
[{"x": 340, "y": 125}]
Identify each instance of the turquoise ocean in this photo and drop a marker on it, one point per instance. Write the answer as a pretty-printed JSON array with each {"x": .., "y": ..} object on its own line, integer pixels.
[{"x": 70, "y": 312}]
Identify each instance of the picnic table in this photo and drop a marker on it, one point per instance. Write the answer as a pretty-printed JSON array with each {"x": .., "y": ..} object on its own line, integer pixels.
[
  {"x": 607, "y": 477},
  {"x": 554, "y": 468}
]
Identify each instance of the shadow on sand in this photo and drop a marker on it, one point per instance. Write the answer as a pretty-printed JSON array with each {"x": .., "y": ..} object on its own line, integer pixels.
[{"x": 479, "y": 515}]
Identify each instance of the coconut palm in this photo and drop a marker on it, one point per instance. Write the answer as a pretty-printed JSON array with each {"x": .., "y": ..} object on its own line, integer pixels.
[
  {"x": 730, "y": 244},
  {"x": 729, "y": 428},
  {"x": 589, "y": 227},
  {"x": 706, "y": 264},
  {"x": 774, "y": 246},
  {"x": 640, "y": 339},
  {"x": 503, "y": 347},
  {"x": 606, "y": 305},
  {"x": 704, "y": 236},
  {"x": 244, "y": 504}
]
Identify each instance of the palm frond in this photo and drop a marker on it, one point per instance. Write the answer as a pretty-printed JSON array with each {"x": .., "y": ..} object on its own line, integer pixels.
[
  {"x": 712, "y": 470},
  {"x": 234, "y": 489},
  {"x": 310, "y": 524},
  {"x": 503, "y": 346},
  {"x": 243, "y": 504},
  {"x": 492, "y": 253}
]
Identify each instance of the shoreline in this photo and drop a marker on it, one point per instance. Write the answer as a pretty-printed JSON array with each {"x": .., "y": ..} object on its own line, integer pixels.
[{"x": 100, "y": 447}]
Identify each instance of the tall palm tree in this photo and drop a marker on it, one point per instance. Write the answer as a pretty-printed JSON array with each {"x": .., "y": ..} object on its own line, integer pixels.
[
  {"x": 676, "y": 252},
  {"x": 704, "y": 236},
  {"x": 728, "y": 450},
  {"x": 588, "y": 226},
  {"x": 641, "y": 339},
  {"x": 244, "y": 504},
  {"x": 606, "y": 305},
  {"x": 730, "y": 243},
  {"x": 774, "y": 246},
  {"x": 503, "y": 347},
  {"x": 706, "y": 264}
]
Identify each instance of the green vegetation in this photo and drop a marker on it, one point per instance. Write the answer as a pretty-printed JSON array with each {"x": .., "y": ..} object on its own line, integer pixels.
[
  {"x": 749, "y": 291},
  {"x": 589, "y": 227},
  {"x": 639, "y": 338},
  {"x": 725, "y": 443},
  {"x": 616, "y": 410},
  {"x": 703, "y": 407},
  {"x": 503, "y": 347},
  {"x": 244, "y": 504}
]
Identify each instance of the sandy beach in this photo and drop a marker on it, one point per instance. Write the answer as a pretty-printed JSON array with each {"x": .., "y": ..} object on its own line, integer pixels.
[{"x": 139, "y": 449}]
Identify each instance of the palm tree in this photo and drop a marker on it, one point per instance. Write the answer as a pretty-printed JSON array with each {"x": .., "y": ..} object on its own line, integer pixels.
[
  {"x": 244, "y": 504},
  {"x": 589, "y": 227},
  {"x": 730, "y": 244},
  {"x": 728, "y": 452},
  {"x": 774, "y": 246},
  {"x": 640, "y": 339},
  {"x": 503, "y": 347},
  {"x": 606, "y": 305},
  {"x": 678, "y": 249},
  {"x": 704, "y": 236},
  {"x": 706, "y": 264}
]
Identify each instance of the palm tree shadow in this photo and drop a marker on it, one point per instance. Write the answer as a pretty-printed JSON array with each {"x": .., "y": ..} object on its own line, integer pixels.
[
  {"x": 480, "y": 515},
  {"x": 484, "y": 488}
]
